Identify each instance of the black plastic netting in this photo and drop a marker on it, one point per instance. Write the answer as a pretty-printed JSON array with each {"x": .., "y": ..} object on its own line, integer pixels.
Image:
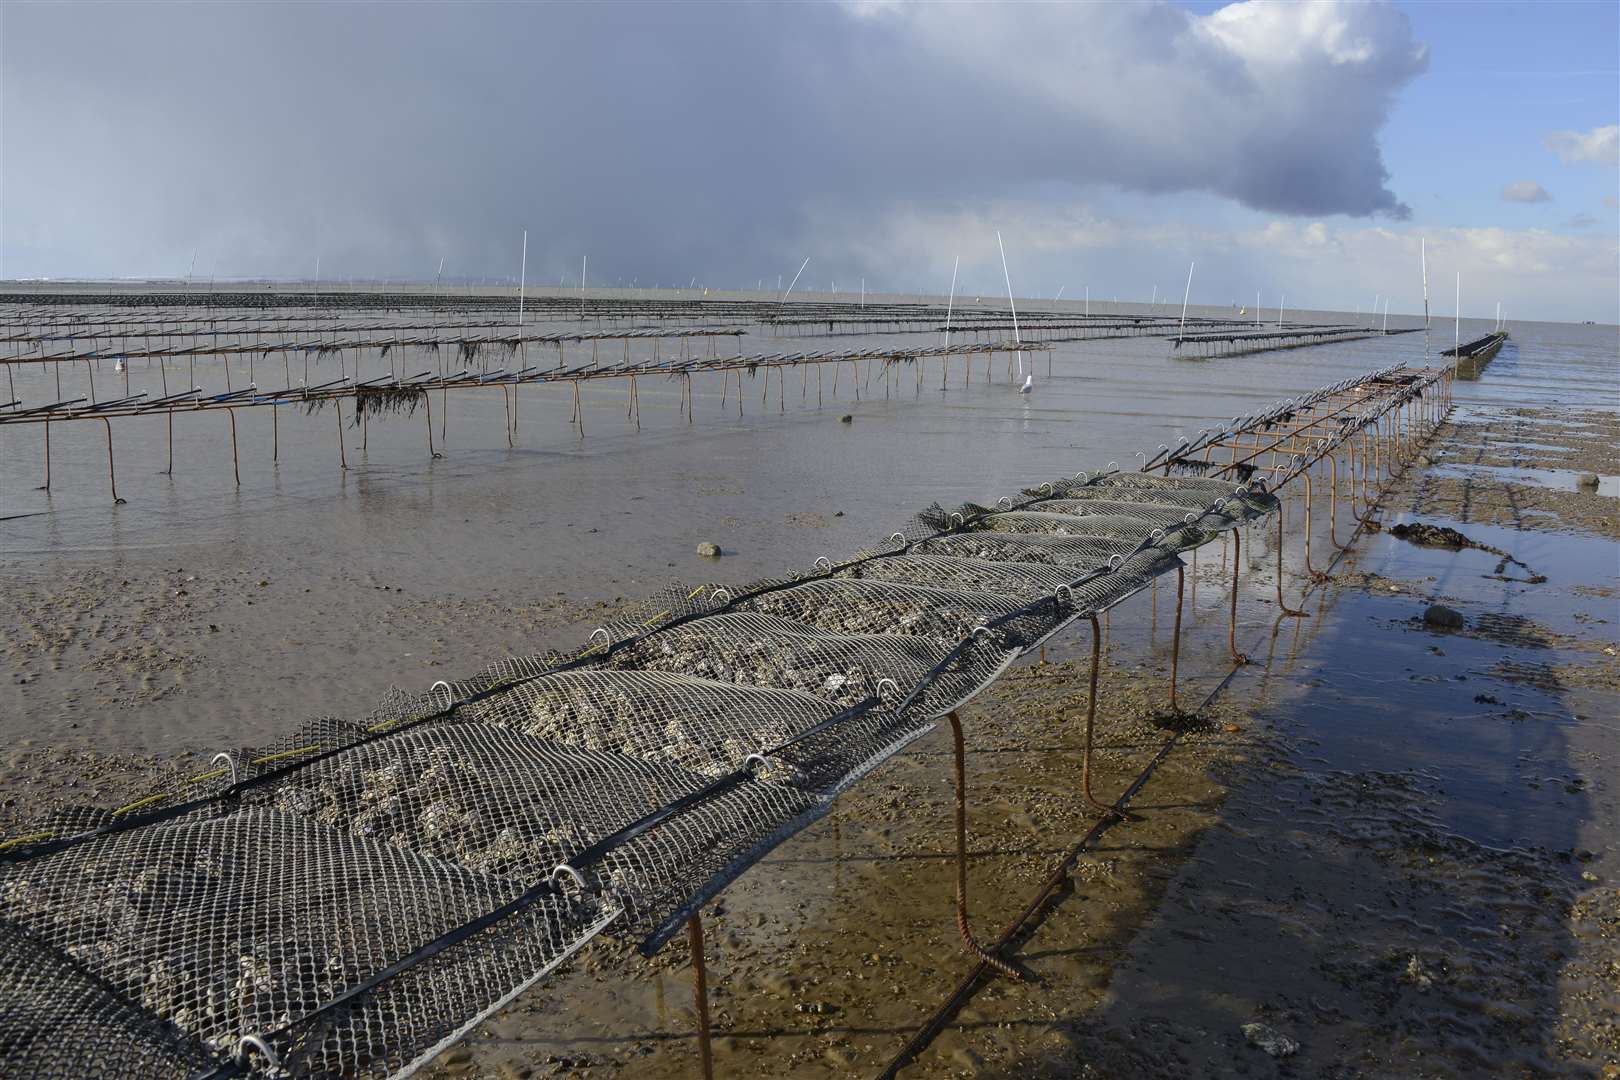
[{"x": 353, "y": 897}]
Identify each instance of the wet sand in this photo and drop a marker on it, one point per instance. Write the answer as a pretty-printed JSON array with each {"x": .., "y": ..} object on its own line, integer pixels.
[{"x": 1392, "y": 845}]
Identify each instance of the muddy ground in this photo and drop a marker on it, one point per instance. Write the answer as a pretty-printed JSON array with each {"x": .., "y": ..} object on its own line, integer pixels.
[
  {"x": 1383, "y": 850},
  {"x": 1390, "y": 846}
]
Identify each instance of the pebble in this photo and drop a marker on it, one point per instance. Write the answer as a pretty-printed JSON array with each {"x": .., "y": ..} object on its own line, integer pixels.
[
  {"x": 1270, "y": 1040},
  {"x": 1444, "y": 617},
  {"x": 846, "y": 419},
  {"x": 1587, "y": 481},
  {"x": 709, "y": 549}
]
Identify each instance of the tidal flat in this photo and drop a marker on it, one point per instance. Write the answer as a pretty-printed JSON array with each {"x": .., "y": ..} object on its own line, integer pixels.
[{"x": 1389, "y": 845}]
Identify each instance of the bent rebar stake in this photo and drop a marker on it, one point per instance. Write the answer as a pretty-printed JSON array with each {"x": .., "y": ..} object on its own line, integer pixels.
[
  {"x": 970, "y": 943},
  {"x": 1091, "y": 720},
  {"x": 700, "y": 993}
]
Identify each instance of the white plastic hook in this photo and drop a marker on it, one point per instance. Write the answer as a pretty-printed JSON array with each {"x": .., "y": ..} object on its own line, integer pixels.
[
  {"x": 255, "y": 1042},
  {"x": 564, "y": 868},
  {"x": 230, "y": 763}
]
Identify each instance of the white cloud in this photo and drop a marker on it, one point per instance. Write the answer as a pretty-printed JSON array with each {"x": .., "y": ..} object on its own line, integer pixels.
[
  {"x": 1315, "y": 263},
  {"x": 1601, "y": 145},
  {"x": 1525, "y": 191}
]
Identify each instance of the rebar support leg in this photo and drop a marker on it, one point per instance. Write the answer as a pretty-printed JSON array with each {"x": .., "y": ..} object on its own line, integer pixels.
[
  {"x": 236, "y": 461},
  {"x": 969, "y": 942},
  {"x": 1175, "y": 639},
  {"x": 1282, "y": 606},
  {"x": 112, "y": 478},
  {"x": 1231, "y": 626},
  {"x": 1091, "y": 720},
  {"x": 700, "y": 993}
]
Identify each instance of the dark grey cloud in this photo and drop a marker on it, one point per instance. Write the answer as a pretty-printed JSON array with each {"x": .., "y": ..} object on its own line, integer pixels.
[{"x": 665, "y": 140}]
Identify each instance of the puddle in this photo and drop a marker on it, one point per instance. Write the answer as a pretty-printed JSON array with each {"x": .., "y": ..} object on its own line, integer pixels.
[{"x": 1556, "y": 479}]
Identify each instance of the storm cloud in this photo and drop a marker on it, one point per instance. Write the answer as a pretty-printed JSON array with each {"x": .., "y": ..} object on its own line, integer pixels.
[{"x": 665, "y": 140}]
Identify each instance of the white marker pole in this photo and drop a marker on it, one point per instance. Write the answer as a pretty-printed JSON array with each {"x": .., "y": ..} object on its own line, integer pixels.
[
  {"x": 1458, "y": 324},
  {"x": 1183, "y": 331},
  {"x": 1004, "y": 273},
  {"x": 951, "y": 303},
  {"x": 523, "y": 281},
  {"x": 1374, "y": 308},
  {"x": 1257, "y": 307},
  {"x": 1088, "y": 301},
  {"x": 584, "y": 261},
  {"x": 863, "y": 292},
  {"x": 1386, "y": 314},
  {"x": 792, "y": 283},
  {"x": 1281, "y": 300},
  {"x": 1059, "y": 295},
  {"x": 1153, "y": 302},
  {"x": 1423, "y": 254}
]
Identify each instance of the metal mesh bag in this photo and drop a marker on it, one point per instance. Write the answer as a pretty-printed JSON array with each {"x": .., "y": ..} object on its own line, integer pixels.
[
  {"x": 247, "y": 922},
  {"x": 768, "y": 650},
  {"x": 355, "y": 895},
  {"x": 878, "y": 607},
  {"x": 59, "y": 1020},
  {"x": 1024, "y": 582},
  {"x": 702, "y": 725}
]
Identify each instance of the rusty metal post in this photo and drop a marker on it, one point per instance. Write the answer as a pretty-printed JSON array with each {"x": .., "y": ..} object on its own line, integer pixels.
[
  {"x": 427, "y": 399},
  {"x": 1282, "y": 606},
  {"x": 1231, "y": 628},
  {"x": 700, "y": 992},
  {"x": 1091, "y": 720},
  {"x": 236, "y": 461},
  {"x": 1175, "y": 640},
  {"x": 1333, "y": 500},
  {"x": 343, "y": 458},
  {"x": 112, "y": 479},
  {"x": 962, "y": 928}
]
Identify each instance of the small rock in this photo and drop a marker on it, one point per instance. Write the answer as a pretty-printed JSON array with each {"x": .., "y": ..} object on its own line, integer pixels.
[
  {"x": 838, "y": 513},
  {"x": 1416, "y": 975},
  {"x": 263, "y": 582},
  {"x": 1270, "y": 1040},
  {"x": 1588, "y": 876},
  {"x": 1587, "y": 481},
  {"x": 846, "y": 419},
  {"x": 709, "y": 549},
  {"x": 452, "y": 1058},
  {"x": 1444, "y": 617}
]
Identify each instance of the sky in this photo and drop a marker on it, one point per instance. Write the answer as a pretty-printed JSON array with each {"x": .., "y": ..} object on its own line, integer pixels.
[{"x": 1301, "y": 152}]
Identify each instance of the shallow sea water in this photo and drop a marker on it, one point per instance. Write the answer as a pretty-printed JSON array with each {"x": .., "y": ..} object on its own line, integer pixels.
[{"x": 617, "y": 513}]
